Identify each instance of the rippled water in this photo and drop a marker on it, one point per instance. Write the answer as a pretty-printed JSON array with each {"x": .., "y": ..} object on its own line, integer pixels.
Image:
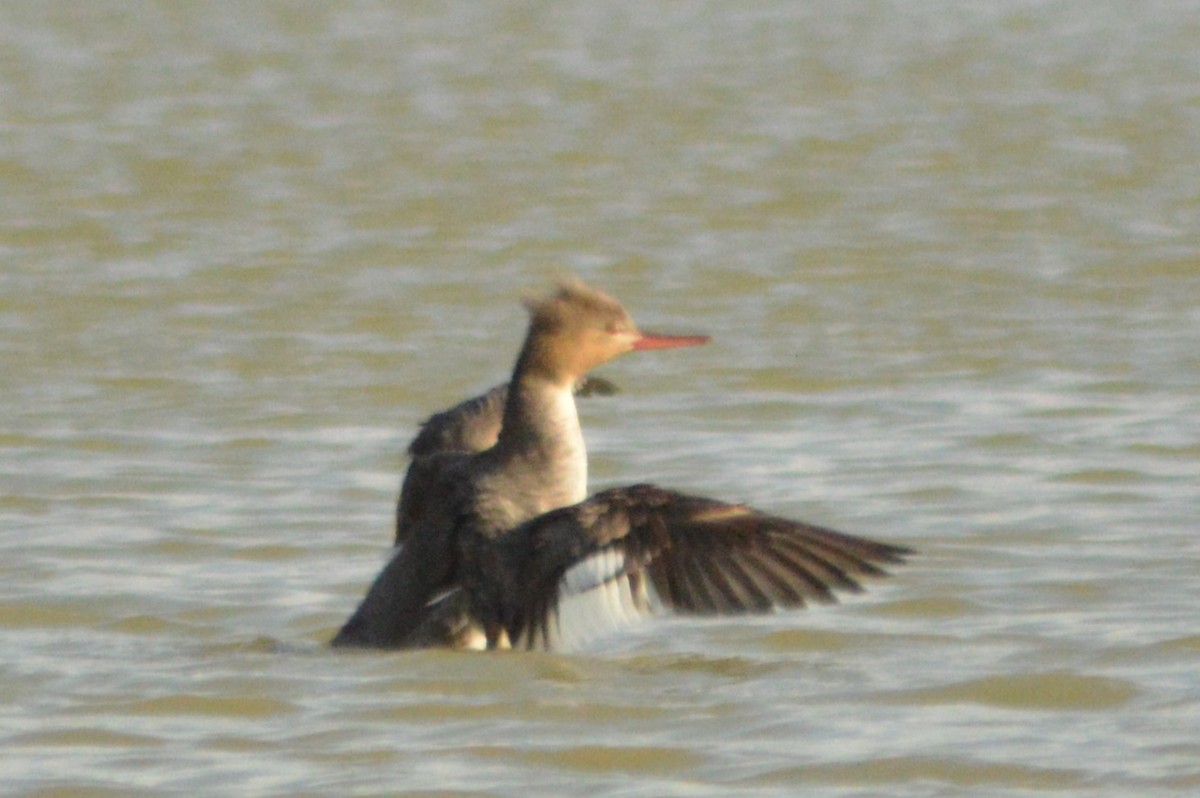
[{"x": 949, "y": 254}]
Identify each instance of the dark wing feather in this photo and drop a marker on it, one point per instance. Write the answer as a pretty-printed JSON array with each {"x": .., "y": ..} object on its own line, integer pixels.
[
  {"x": 697, "y": 555},
  {"x": 473, "y": 425},
  {"x": 415, "y": 601},
  {"x": 397, "y": 602},
  {"x": 470, "y": 426}
]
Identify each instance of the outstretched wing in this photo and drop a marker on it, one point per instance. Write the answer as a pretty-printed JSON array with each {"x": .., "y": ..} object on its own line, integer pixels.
[
  {"x": 397, "y": 603},
  {"x": 630, "y": 552},
  {"x": 470, "y": 426},
  {"x": 474, "y": 424},
  {"x": 407, "y": 606}
]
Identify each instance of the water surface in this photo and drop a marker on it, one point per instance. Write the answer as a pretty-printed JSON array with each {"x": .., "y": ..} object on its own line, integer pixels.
[{"x": 948, "y": 254}]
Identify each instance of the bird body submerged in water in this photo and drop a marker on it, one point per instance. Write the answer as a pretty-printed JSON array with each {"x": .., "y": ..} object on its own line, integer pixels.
[{"x": 499, "y": 546}]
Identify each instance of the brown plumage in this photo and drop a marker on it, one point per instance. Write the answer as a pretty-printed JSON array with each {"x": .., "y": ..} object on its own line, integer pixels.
[{"x": 682, "y": 553}]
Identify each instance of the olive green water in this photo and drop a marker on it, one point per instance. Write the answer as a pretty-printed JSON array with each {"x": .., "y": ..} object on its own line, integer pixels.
[{"x": 949, "y": 254}]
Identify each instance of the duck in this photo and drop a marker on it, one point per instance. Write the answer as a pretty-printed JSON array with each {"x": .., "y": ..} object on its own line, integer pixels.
[{"x": 499, "y": 546}]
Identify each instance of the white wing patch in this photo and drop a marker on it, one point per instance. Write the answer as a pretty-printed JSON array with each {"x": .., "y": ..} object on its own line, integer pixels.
[
  {"x": 592, "y": 572},
  {"x": 597, "y": 597}
]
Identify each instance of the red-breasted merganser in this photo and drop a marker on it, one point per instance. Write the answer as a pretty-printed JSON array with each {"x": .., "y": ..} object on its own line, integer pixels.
[{"x": 499, "y": 546}]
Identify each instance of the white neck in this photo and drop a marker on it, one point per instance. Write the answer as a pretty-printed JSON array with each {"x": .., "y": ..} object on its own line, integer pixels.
[{"x": 541, "y": 443}]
